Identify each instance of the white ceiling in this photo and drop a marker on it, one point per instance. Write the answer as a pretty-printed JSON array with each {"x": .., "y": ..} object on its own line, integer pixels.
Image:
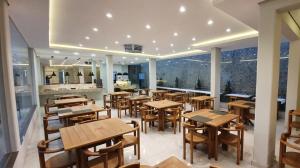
[{"x": 72, "y": 20}]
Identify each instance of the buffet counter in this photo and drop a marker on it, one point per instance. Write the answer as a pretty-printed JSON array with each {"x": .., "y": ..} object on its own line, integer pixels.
[{"x": 51, "y": 91}]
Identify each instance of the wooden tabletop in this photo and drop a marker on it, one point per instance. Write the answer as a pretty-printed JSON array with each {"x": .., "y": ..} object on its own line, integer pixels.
[
  {"x": 172, "y": 162},
  {"x": 242, "y": 104},
  {"x": 201, "y": 98},
  {"x": 83, "y": 135},
  {"x": 79, "y": 110},
  {"x": 136, "y": 98},
  {"x": 119, "y": 93},
  {"x": 174, "y": 94},
  {"x": 217, "y": 119},
  {"x": 69, "y": 101},
  {"x": 162, "y": 104},
  {"x": 159, "y": 91},
  {"x": 68, "y": 96}
]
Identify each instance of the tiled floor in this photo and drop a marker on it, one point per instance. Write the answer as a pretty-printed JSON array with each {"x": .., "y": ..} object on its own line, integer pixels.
[{"x": 157, "y": 146}]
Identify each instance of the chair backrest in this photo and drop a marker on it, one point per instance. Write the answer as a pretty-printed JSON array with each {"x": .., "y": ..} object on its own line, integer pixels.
[
  {"x": 105, "y": 153},
  {"x": 144, "y": 110}
]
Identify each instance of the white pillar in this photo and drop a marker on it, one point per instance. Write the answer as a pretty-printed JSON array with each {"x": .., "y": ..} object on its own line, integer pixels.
[
  {"x": 267, "y": 86},
  {"x": 109, "y": 73},
  {"x": 152, "y": 73},
  {"x": 8, "y": 83},
  {"x": 81, "y": 78},
  {"x": 215, "y": 76},
  {"x": 94, "y": 70},
  {"x": 293, "y": 80}
]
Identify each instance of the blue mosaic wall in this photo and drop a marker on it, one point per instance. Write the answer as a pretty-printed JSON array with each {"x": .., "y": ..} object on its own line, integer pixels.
[{"x": 237, "y": 66}]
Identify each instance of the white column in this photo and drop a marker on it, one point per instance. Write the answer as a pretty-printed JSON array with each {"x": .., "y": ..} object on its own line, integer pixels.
[
  {"x": 8, "y": 83},
  {"x": 152, "y": 73},
  {"x": 293, "y": 80},
  {"x": 94, "y": 70},
  {"x": 267, "y": 86},
  {"x": 215, "y": 76},
  {"x": 109, "y": 73},
  {"x": 81, "y": 78}
]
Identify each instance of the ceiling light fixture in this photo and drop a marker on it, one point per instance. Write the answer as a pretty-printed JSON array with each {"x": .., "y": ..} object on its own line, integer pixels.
[
  {"x": 128, "y": 36},
  {"x": 182, "y": 9},
  {"x": 116, "y": 42},
  {"x": 172, "y": 45},
  {"x": 153, "y": 41},
  {"x": 95, "y": 29},
  {"x": 109, "y": 15},
  {"x": 124, "y": 57},
  {"x": 228, "y": 30},
  {"x": 175, "y": 34},
  {"x": 194, "y": 39},
  {"x": 148, "y": 26},
  {"x": 80, "y": 45},
  {"x": 210, "y": 22},
  {"x": 93, "y": 55},
  {"x": 76, "y": 53},
  {"x": 87, "y": 37},
  {"x": 225, "y": 39},
  {"x": 56, "y": 51},
  {"x": 156, "y": 49}
]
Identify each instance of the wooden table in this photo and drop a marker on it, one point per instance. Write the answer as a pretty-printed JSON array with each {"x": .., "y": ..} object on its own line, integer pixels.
[
  {"x": 69, "y": 112},
  {"x": 133, "y": 102},
  {"x": 63, "y": 102},
  {"x": 114, "y": 96},
  {"x": 243, "y": 109},
  {"x": 173, "y": 96},
  {"x": 87, "y": 135},
  {"x": 68, "y": 96},
  {"x": 200, "y": 102},
  {"x": 172, "y": 162},
  {"x": 158, "y": 93},
  {"x": 161, "y": 105},
  {"x": 217, "y": 120}
]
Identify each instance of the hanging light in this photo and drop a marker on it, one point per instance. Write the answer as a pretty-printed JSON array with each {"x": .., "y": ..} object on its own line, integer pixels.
[
  {"x": 79, "y": 74},
  {"x": 91, "y": 74},
  {"x": 67, "y": 74},
  {"x": 53, "y": 74}
]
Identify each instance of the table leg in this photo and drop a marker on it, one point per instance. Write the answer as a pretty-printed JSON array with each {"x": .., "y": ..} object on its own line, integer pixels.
[
  {"x": 160, "y": 120},
  {"x": 78, "y": 158},
  {"x": 130, "y": 108}
]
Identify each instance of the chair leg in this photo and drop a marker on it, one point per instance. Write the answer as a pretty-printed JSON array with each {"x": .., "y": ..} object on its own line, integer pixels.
[
  {"x": 242, "y": 151},
  {"x": 184, "y": 150},
  {"x": 191, "y": 152},
  {"x": 139, "y": 151},
  {"x": 175, "y": 126},
  {"x": 142, "y": 125},
  {"x": 134, "y": 146},
  {"x": 238, "y": 155},
  {"x": 145, "y": 127}
]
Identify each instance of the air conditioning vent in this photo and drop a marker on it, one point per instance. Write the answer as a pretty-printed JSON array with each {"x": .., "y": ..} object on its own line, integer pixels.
[{"x": 133, "y": 48}]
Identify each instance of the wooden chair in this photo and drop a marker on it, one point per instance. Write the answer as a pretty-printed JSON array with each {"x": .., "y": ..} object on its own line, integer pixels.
[
  {"x": 108, "y": 157},
  {"x": 147, "y": 115},
  {"x": 106, "y": 101},
  {"x": 122, "y": 104},
  {"x": 174, "y": 116},
  {"x": 51, "y": 125},
  {"x": 63, "y": 159},
  {"x": 138, "y": 105},
  {"x": 82, "y": 118},
  {"x": 133, "y": 139},
  {"x": 292, "y": 122},
  {"x": 291, "y": 158},
  {"x": 237, "y": 140},
  {"x": 135, "y": 165},
  {"x": 47, "y": 107},
  {"x": 193, "y": 137}
]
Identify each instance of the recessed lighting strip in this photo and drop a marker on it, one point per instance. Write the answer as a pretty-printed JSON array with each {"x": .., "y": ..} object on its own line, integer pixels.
[
  {"x": 184, "y": 53},
  {"x": 226, "y": 39}
]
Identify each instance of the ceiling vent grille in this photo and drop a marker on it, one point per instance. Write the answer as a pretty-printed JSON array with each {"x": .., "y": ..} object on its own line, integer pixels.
[{"x": 133, "y": 48}]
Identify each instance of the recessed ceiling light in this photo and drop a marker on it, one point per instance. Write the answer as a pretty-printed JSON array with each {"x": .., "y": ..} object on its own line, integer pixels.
[
  {"x": 156, "y": 49},
  {"x": 148, "y": 26},
  {"x": 87, "y": 37},
  {"x": 116, "y": 42},
  {"x": 210, "y": 22},
  {"x": 171, "y": 44},
  {"x": 93, "y": 55},
  {"x": 182, "y": 9},
  {"x": 128, "y": 36},
  {"x": 124, "y": 57},
  {"x": 132, "y": 62},
  {"x": 109, "y": 15},
  {"x": 80, "y": 45},
  {"x": 106, "y": 47},
  {"x": 175, "y": 34},
  {"x": 76, "y": 53},
  {"x": 194, "y": 39},
  {"x": 228, "y": 30},
  {"x": 189, "y": 48},
  {"x": 153, "y": 41},
  {"x": 95, "y": 29},
  {"x": 56, "y": 51}
]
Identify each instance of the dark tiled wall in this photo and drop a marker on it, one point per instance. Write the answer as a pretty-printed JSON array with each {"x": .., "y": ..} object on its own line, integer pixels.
[{"x": 237, "y": 66}]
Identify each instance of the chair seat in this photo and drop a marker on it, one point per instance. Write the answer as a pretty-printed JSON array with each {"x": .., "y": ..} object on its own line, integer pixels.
[
  {"x": 292, "y": 159},
  {"x": 150, "y": 117},
  {"x": 129, "y": 140},
  {"x": 228, "y": 138},
  {"x": 197, "y": 137},
  {"x": 98, "y": 162},
  {"x": 295, "y": 124},
  {"x": 54, "y": 127},
  {"x": 61, "y": 160}
]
